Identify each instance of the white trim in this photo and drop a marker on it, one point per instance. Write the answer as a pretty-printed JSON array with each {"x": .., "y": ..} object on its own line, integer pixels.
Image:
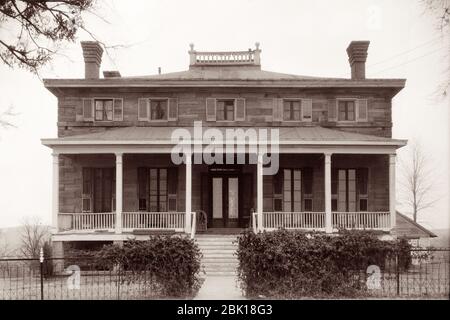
[
  {"x": 259, "y": 191},
  {"x": 55, "y": 191},
  {"x": 119, "y": 191},
  {"x": 327, "y": 182},
  {"x": 188, "y": 203},
  {"x": 392, "y": 200}
]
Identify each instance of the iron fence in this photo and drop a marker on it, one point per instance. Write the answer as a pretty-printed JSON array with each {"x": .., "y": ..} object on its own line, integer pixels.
[{"x": 425, "y": 274}]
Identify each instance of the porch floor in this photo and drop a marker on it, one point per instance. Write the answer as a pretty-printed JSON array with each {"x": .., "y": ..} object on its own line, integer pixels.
[{"x": 221, "y": 231}]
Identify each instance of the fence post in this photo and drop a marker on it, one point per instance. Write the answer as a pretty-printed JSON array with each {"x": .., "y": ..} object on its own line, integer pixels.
[
  {"x": 41, "y": 265},
  {"x": 118, "y": 283},
  {"x": 397, "y": 269}
]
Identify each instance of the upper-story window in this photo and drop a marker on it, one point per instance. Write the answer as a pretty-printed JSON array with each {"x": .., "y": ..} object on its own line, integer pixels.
[
  {"x": 103, "y": 109},
  {"x": 346, "y": 110},
  {"x": 291, "y": 110},
  {"x": 158, "y": 109},
  {"x": 225, "y": 110},
  {"x": 298, "y": 109}
]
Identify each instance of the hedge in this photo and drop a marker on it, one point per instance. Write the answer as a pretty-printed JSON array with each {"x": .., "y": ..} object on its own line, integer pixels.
[
  {"x": 293, "y": 264},
  {"x": 171, "y": 263}
]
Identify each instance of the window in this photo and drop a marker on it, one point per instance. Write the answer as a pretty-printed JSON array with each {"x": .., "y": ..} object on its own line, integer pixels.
[
  {"x": 349, "y": 190},
  {"x": 98, "y": 190},
  {"x": 307, "y": 189},
  {"x": 157, "y": 189},
  {"x": 225, "y": 110},
  {"x": 103, "y": 109},
  {"x": 346, "y": 110},
  {"x": 292, "y": 196},
  {"x": 158, "y": 109},
  {"x": 291, "y": 110}
]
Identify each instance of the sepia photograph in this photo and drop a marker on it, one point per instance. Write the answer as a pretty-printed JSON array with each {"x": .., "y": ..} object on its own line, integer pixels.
[{"x": 224, "y": 155}]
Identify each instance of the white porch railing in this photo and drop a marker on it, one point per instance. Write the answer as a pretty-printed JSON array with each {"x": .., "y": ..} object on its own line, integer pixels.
[
  {"x": 294, "y": 220},
  {"x": 361, "y": 220},
  {"x": 87, "y": 221},
  {"x": 153, "y": 220}
]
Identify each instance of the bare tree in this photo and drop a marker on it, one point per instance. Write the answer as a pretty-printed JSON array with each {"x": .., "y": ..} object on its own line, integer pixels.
[
  {"x": 37, "y": 28},
  {"x": 4, "y": 247},
  {"x": 33, "y": 236},
  {"x": 440, "y": 10},
  {"x": 417, "y": 180}
]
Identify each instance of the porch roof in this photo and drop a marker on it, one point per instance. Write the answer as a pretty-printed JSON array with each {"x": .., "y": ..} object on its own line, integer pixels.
[{"x": 314, "y": 135}]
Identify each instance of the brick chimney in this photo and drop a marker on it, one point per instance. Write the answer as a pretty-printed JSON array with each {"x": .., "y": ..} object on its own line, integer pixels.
[
  {"x": 92, "y": 53},
  {"x": 357, "y": 55}
]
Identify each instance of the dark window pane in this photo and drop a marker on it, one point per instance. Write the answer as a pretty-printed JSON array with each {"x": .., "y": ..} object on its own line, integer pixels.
[
  {"x": 158, "y": 109},
  {"x": 142, "y": 204},
  {"x": 277, "y": 205},
  {"x": 363, "y": 205},
  {"x": 308, "y": 205},
  {"x": 307, "y": 180},
  {"x": 334, "y": 205}
]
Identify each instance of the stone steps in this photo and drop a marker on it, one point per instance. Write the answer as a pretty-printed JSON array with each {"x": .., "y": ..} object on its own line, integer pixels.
[{"x": 218, "y": 254}]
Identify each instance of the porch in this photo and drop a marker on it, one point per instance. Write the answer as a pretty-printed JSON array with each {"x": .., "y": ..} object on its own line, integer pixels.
[{"x": 220, "y": 196}]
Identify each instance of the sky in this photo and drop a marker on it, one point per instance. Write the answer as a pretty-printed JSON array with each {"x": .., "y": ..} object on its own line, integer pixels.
[{"x": 297, "y": 37}]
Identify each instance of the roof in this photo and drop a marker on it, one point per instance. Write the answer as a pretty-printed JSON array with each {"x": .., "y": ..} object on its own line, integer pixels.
[
  {"x": 314, "y": 135},
  {"x": 406, "y": 228}
]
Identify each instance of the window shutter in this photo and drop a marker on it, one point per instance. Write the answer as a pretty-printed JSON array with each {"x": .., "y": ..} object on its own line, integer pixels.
[
  {"x": 361, "y": 110},
  {"x": 210, "y": 109},
  {"x": 86, "y": 193},
  {"x": 307, "y": 110},
  {"x": 240, "y": 109},
  {"x": 172, "y": 180},
  {"x": 118, "y": 109},
  {"x": 88, "y": 109},
  {"x": 173, "y": 109},
  {"x": 143, "y": 109},
  {"x": 277, "y": 109},
  {"x": 332, "y": 110},
  {"x": 142, "y": 189}
]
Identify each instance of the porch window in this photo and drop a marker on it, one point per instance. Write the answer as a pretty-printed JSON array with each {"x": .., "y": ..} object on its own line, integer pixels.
[
  {"x": 349, "y": 190},
  {"x": 291, "y": 110},
  {"x": 103, "y": 109},
  {"x": 158, "y": 109},
  {"x": 157, "y": 189},
  {"x": 292, "y": 190},
  {"x": 346, "y": 110},
  {"x": 225, "y": 109},
  {"x": 98, "y": 190}
]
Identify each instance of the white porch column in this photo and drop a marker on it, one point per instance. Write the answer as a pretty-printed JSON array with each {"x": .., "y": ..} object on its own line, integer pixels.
[
  {"x": 259, "y": 192},
  {"x": 55, "y": 196},
  {"x": 188, "y": 206},
  {"x": 328, "y": 214},
  {"x": 392, "y": 199},
  {"x": 119, "y": 193}
]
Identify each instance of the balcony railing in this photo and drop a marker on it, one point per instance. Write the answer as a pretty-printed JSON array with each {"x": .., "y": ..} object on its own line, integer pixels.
[
  {"x": 153, "y": 220},
  {"x": 361, "y": 220},
  {"x": 316, "y": 220},
  {"x": 130, "y": 221},
  {"x": 87, "y": 221},
  {"x": 294, "y": 220}
]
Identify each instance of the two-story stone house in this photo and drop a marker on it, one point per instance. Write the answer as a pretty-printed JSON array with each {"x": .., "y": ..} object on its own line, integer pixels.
[{"x": 114, "y": 178}]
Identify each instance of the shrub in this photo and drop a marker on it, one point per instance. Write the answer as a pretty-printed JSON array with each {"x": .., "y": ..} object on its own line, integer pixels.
[
  {"x": 172, "y": 263},
  {"x": 292, "y": 264}
]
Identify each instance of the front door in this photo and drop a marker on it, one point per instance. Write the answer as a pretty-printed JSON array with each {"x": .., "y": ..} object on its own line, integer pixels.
[{"x": 225, "y": 201}]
